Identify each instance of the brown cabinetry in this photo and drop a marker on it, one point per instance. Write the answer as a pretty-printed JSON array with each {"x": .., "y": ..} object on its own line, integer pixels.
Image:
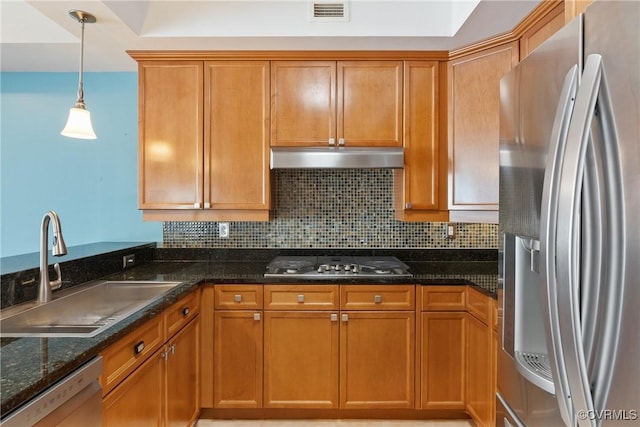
[
  {"x": 541, "y": 30},
  {"x": 237, "y": 346},
  {"x": 204, "y": 140},
  {"x": 377, "y": 346},
  {"x": 150, "y": 376},
  {"x": 474, "y": 131},
  {"x": 301, "y": 346},
  {"x": 480, "y": 369},
  {"x": 421, "y": 187},
  {"x": 443, "y": 347},
  {"x": 352, "y": 103}
]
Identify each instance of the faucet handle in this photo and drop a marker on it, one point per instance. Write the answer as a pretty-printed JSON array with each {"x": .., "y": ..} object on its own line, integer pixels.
[{"x": 56, "y": 284}]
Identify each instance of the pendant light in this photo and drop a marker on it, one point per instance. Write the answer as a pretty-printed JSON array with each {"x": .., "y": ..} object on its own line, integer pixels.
[{"x": 79, "y": 122}]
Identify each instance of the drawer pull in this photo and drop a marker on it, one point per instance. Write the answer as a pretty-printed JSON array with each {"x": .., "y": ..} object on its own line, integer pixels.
[
  {"x": 377, "y": 299},
  {"x": 345, "y": 317},
  {"x": 185, "y": 311},
  {"x": 301, "y": 298},
  {"x": 334, "y": 317},
  {"x": 256, "y": 316},
  {"x": 237, "y": 298},
  {"x": 137, "y": 349}
]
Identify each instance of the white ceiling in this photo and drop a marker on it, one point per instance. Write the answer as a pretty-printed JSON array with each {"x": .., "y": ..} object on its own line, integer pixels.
[{"x": 40, "y": 36}]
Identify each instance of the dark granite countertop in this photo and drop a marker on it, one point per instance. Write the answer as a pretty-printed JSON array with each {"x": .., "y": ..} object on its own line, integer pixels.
[{"x": 29, "y": 365}]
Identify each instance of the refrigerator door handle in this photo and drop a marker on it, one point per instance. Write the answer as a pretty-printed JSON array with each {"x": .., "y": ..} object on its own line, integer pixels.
[
  {"x": 548, "y": 232},
  {"x": 601, "y": 290},
  {"x": 568, "y": 241}
]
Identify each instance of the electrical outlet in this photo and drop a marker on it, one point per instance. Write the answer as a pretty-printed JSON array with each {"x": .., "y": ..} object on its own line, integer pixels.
[
  {"x": 449, "y": 231},
  {"x": 223, "y": 230},
  {"x": 128, "y": 261}
]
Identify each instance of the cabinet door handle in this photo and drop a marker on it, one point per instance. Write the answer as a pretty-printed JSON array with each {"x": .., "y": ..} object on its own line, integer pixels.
[
  {"x": 256, "y": 316},
  {"x": 197, "y": 205},
  {"x": 334, "y": 317},
  {"x": 377, "y": 299},
  {"x": 137, "y": 349},
  {"x": 207, "y": 205},
  {"x": 345, "y": 317},
  {"x": 185, "y": 311},
  {"x": 301, "y": 298},
  {"x": 173, "y": 349},
  {"x": 340, "y": 141},
  {"x": 332, "y": 141},
  {"x": 237, "y": 298},
  {"x": 164, "y": 355},
  {"x": 408, "y": 205}
]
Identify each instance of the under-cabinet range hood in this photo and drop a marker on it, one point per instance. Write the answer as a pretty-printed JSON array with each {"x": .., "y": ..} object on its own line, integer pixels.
[{"x": 337, "y": 157}]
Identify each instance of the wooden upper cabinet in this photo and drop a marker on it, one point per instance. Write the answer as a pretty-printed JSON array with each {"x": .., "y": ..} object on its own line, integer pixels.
[
  {"x": 303, "y": 102},
  {"x": 359, "y": 102},
  {"x": 170, "y": 150},
  {"x": 420, "y": 188},
  {"x": 236, "y": 149},
  {"x": 474, "y": 132},
  {"x": 204, "y": 140},
  {"x": 370, "y": 103},
  {"x": 542, "y": 30}
]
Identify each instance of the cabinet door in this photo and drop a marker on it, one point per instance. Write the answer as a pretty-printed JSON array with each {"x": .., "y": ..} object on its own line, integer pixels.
[
  {"x": 139, "y": 399},
  {"x": 443, "y": 360},
  {"x": 301, "y": 359},
  {"x": 303, "y": 102},
  {"x": 479, "y": 394},
  {"x": 236, "y": 135},
  {"x": 170, "y": 150},
  {"x": 474, "y": 132},
  {"x": 183, "y": 376},
  {"x": 237, "y": 359},
  {"x": 542, "y": 30},
  {"x": 377, "y": 353},
  {"x": 421, "y": 186},
  {"x": 370, "y": 103}
]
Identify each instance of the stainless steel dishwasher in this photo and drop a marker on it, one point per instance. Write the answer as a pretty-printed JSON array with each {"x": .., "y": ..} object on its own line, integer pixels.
[{"x": 75, "y": 400}]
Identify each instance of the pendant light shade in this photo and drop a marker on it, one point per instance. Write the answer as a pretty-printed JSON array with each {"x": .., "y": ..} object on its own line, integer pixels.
[{"x": 79, "y": 122}]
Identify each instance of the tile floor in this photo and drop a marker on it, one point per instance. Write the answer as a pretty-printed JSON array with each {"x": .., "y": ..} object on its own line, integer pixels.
[{"x": 334, "y": 423}]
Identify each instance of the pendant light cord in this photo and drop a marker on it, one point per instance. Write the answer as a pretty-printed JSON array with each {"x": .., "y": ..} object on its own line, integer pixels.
[{"x": 80, "y": 100}]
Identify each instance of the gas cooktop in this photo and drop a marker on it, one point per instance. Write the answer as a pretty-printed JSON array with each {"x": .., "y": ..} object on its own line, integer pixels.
[{"x": 331, "y": 267}]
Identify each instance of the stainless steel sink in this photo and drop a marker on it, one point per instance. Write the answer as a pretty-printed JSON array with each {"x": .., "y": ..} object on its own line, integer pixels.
[{"x": 87, "y": 312}]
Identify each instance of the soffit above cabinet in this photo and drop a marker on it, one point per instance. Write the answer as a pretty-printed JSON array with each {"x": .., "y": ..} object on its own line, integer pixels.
[{"x": 51, "y": 42}]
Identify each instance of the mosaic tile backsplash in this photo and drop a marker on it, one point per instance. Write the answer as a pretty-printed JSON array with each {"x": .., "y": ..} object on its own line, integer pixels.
[{"x": 337, "y": 208}]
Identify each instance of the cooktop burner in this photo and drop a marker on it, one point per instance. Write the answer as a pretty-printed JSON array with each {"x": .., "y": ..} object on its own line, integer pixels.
[{"x": 327, "y": 267}]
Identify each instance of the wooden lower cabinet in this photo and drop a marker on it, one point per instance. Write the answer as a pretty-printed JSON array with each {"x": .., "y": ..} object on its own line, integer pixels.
[
  {"x": 480, "y": 397},
  {"x": 182, "y": 376},
  {"x": 301, "y": 359},
  {"x": 237, "y": 359},
  {"x": 377, "y": 355},
  {"x": 163, "y": 391},
  {"x": 443, "y": 378},
  {"x": 152, "y": 374},
  {"x": 139, "y": 399}
]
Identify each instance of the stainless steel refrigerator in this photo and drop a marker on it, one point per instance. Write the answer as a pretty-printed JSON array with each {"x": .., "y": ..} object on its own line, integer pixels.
[{"x": 570, "y": 226}]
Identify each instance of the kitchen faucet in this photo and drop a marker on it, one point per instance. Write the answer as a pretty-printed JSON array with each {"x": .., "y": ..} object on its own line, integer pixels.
[{"x": 59, "y": 249}]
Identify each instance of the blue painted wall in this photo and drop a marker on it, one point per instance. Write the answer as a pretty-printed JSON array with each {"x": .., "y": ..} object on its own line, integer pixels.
[{"x": 91, "y": 184}]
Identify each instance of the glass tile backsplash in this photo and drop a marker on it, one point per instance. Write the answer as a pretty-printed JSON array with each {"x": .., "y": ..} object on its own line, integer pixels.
[{"x": 330, "y": 208}]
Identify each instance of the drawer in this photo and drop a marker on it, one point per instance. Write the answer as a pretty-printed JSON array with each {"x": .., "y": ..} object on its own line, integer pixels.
[
  {"x": 301, "y": 297},
  {"x": 479, "y": 305},
  {"x": 125, "y": 355},
  {"x": 238, "y": 297},
  {"x": 181, "y": 312},
  {"x": 443, "y": 298},
  {"x": 377, "y": 297}
]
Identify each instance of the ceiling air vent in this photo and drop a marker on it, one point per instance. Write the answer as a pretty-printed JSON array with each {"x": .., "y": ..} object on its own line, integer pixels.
[{"x": 329, "y": 11}]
